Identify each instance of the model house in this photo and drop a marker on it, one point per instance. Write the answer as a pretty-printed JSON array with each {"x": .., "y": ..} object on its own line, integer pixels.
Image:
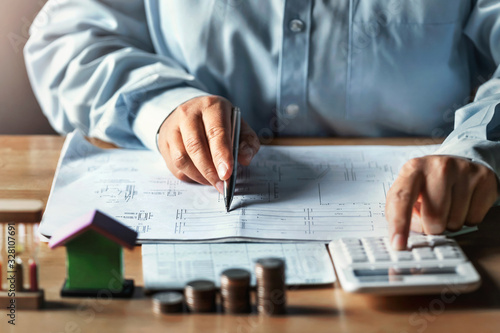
[{"x": 94, "y": 245}]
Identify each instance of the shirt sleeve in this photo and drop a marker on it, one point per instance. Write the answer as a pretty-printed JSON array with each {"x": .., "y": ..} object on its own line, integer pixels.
[
  {"x": 92, "y": 66},
  {"x": 477, "y": 125}
]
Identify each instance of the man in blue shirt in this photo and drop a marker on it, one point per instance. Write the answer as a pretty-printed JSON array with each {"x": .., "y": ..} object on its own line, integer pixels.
[{"x": 165, "y": 74}]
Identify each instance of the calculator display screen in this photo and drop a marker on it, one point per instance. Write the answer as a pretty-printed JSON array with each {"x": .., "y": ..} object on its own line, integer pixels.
[{"x": 387, "y": 274}]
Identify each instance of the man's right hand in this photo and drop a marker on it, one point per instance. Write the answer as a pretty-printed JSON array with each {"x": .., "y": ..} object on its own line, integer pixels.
[{"x": 195, "y": 141}]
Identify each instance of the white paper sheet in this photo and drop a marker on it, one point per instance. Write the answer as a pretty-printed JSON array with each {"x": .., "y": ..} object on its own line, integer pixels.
[
  {"x": 288, "y": 193},
  {"x": 171, "y": 266}
]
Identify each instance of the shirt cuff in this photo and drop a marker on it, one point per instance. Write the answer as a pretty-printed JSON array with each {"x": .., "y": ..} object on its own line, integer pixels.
[{"x": 153, "y": 112}]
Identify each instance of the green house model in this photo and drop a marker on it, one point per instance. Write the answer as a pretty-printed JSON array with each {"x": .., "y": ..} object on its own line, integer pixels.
[{"x": 94, "y": 245}]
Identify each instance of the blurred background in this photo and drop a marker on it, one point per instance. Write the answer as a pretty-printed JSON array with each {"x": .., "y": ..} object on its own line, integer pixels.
[{"x": 19, "y": 110}]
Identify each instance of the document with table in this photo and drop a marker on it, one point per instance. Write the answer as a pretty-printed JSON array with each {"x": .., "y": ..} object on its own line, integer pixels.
[
  {"x": 171, "y": 266},
  {"x": 315, "y": 193}
]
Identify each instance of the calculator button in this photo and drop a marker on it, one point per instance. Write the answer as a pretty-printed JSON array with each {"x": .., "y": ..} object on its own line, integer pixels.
[
  {"x": 353, "y": 246},
  {"x": 439, "y": 240},
  {"x": 356, "y": 253},
  {"x": 402, "y": 256},
  {"x": 449, "y": 255},
  {"x": 426, "y": 256},
  {"x": 350, "y": 241},
  {"x": 422, "y": 249},
  {"x": 375, "y": 244},
  {"x": 445, "y": 248},
  {"x": 447, "y": 252},
  {"x": 435, "y": 238},
  {"x": 354, "y": 249},
  {"x": 380, "y": 254},
  {"x": 417, "y": 241},
  {"x": 378, "y": 248},
  {"x": 372, "y": 240},
  {"x": 357, "y": 258},
  {"x": 424, "y": 253},
  {"x": 381, "y": 257},
  {"x": 417, "y": 238}
]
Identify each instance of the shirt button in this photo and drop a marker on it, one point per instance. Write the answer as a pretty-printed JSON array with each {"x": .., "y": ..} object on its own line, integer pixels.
[
  {"x": 296, "y": 25},
  {"x": 292, "y": 110}
]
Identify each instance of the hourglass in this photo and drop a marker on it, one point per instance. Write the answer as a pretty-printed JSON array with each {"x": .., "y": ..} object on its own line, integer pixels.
[{"x": 19, "y": 243}]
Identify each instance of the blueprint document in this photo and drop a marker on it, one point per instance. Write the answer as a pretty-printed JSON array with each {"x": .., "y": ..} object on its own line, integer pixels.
[
  {"x": 171, "y": 266},
  {"x": 288, "y": 193}
]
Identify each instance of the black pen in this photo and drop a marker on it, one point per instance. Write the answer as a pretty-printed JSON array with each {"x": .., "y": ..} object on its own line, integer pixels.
[{"x": 230, "y": 184}]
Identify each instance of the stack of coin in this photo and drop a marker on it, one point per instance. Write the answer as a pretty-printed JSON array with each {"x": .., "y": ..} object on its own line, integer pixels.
[
  {"x": 200, "y": 296},
  {"x": 235, "y": 290},
  {"x": 170, "y": 302},
  {"x": 271, "y": 298}
]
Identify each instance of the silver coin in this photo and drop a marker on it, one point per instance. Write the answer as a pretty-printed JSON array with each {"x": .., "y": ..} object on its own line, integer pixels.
[{"x": 168, "y": 298}]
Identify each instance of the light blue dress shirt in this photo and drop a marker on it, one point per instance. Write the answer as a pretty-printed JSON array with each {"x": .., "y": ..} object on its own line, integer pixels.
[{"x": 116, "y": 69}]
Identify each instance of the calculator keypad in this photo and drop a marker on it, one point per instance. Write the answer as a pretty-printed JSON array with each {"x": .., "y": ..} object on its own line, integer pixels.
[{"x": 421, "y": 248}]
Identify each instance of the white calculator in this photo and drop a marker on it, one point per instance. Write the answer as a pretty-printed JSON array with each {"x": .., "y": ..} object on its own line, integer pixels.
[{"x": 431, "y": 264}]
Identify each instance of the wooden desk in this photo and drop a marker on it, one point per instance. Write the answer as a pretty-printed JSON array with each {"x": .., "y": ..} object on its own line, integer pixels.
[{"x": 27, "y": 165}]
